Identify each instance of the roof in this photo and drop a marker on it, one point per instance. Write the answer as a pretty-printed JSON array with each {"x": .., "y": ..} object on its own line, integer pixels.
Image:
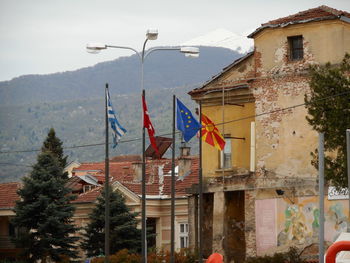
[
  {"x": 162, "y": 144},
  {"x": 158, "y": 181},
  {"x": 215, "y": 77},
  {"x": 8, "y": 194},
  {"x": 126, "y": 158},
  {"x": 315, "y": 14},
  {"x": 89, "y": 196},
  {"x": 89, "y": 179}
]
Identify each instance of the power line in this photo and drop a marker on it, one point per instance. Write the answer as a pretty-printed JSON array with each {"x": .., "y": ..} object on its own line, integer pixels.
[
  {"x": 16, "y": 164},
  {"x": 165, "y": 134}
]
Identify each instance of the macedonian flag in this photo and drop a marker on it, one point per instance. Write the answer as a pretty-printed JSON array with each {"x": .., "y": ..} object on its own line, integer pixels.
[{"x": 211, "y": 134}]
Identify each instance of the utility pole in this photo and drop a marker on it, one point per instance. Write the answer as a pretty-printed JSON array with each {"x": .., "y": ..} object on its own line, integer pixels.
[
  {"x": 348, "y": 165},
  {"x": 321, "y": 196}
]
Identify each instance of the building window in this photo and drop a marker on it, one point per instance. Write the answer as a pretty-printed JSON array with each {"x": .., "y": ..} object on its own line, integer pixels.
[
  {"x": 183, "y": 235},
  {"x": 226, "y": 154},
  {"x": 88, "y": 187},
  {"x": 295, "y": 44}
]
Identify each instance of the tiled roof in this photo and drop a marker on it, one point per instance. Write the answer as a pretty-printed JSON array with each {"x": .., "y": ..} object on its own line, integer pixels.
[
  {"x": 8, "y": 194},
  {"x": 126, "y": 158},
  {"x": 315, "y": 14},
  {"x": 89, "y": 196},
  {"x": 124, "y": 173}
]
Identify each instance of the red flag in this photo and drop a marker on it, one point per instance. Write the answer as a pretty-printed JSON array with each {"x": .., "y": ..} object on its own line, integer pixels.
[
  {"x": 148, "y": 125},
  {"x": 211, "y": 134}
]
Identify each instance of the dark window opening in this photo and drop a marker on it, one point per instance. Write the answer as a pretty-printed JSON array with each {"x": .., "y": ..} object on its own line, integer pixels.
[
  {"x": 151, "y": 232},
  {"x": 296, "y": 51}
]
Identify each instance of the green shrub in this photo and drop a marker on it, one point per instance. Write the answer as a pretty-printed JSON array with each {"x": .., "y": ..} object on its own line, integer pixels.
[
  {"x": 154, "y": 256},
  {"x": 292, "y": 256}
]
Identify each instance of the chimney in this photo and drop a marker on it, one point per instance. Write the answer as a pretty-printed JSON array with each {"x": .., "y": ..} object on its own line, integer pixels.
[
  {"x": 137, "y": 167},
  {"x": 185, "y": 161},
  {"x": 184, "y": 150}
]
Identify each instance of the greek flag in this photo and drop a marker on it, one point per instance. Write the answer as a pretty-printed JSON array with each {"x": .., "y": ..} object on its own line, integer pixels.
[{"x": 117, "y": 130}]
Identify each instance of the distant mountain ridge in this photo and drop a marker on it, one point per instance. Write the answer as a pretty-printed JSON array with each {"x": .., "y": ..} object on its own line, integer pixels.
[
  {"x": 72, "y": 102},
  {"x": 223, "y": 38},
  {"x": 166, "y": 70}
]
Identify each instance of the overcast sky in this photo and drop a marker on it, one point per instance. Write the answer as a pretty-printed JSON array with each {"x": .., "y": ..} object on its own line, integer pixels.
[{"x": 46, "y": 36}]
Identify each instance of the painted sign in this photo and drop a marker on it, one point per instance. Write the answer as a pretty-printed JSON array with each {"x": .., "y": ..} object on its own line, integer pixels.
[
  {"x": 334, "y": 194},
  {"x": 265, "y": 224}
]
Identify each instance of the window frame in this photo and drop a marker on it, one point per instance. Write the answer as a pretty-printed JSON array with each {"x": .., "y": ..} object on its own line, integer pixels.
[
  {"x": 183, "y": 235},
  {"x": 295, "y": 47},
  {"x": 226, "y": 153}
]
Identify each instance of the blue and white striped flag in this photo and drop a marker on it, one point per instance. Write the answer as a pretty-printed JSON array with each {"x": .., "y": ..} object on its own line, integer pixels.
[{"x": 117, "y": 130}]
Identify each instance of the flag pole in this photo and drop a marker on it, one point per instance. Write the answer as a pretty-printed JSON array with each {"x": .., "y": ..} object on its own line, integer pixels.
[
  {"x": 200, "y": 192},
  {"x": 143, "y": 181},
  {"x": 172, "y": 251},
  {"x": 106, "y": 182}
]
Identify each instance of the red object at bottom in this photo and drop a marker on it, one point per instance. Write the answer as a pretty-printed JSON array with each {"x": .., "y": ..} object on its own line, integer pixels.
[
  {"x": 215, "y": 258},
  {"x": 334, "y": 249}
]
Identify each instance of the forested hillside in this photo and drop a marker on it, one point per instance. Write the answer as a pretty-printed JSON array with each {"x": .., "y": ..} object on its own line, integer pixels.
[{"x": 73, "y": 104}]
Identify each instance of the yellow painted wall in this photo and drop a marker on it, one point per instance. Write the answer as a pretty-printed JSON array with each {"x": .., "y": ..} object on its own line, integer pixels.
[
  {"x": 324, "y": 41},
  {"x": 240, "y": 148}
]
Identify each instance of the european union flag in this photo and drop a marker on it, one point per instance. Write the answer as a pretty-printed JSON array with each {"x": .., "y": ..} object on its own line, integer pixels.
[{"x": 185, "y": 121}]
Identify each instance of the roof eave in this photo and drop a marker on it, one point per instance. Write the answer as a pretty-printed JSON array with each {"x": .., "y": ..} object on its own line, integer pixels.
[
  {"x": 224, "y": 70},
  {"x": 343, "y": 18}
]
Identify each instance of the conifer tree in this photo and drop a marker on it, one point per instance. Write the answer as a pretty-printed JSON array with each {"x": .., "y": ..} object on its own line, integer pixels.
[
  {"x": 44, "y": 213},
  {"x": 54, "y": 145},
  {"x": 123, "y": 227},
  {"x": 328, "y": 106}
]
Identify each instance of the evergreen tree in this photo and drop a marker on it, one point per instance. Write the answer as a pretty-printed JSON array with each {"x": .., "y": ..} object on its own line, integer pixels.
[
  {"x": 123, "y": 230},
  {"x": 54, "y": 145},
  {"x": 44, "y": 213},
  {"x": 329, "y": 112}
]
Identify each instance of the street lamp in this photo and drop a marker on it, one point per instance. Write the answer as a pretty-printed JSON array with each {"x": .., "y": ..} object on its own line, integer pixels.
[{"x": 151, "y": 34}]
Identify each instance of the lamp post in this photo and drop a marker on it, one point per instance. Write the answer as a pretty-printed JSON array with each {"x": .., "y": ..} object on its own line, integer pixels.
[{"x": 151, "y": 34}]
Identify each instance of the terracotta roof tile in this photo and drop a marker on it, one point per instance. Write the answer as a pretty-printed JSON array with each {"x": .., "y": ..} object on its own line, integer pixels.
[
  {"x": 124, "y": 173},
  {"x": 8, "y": 194},
  {"x": 126, "y": 158},
  {"x": 314, "y": 14},
  {"x": 318, "y": 12},
  {"x": 88, "y": 197}
]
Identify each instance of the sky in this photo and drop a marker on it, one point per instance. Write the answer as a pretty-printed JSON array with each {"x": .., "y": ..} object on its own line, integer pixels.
[{"x": 48, "y": 36}]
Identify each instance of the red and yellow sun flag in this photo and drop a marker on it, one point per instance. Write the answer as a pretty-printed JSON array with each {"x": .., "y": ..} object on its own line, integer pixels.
[{"x": 211, "y": 134}]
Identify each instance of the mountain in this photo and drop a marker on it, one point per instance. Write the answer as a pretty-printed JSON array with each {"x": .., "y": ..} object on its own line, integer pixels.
[
  {"x": 167, "y": 70},
  {"x": 73, "y": 103},
  {"x": 222, "y": 38}
]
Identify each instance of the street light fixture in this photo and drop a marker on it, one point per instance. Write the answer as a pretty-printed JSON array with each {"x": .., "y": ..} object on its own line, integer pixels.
[{"x": 151, "y": 34}]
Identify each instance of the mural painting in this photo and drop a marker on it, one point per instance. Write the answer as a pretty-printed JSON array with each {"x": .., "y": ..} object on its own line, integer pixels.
[{"x": 297, "y": 222}]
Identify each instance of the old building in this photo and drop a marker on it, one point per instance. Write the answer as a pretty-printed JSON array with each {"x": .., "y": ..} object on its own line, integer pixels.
[
  {"x": 125, "y": 176},
  {"x": 87, "y": 180},
  {"x": 260, "y": 192},
  {"x": 8, "y": 197}
]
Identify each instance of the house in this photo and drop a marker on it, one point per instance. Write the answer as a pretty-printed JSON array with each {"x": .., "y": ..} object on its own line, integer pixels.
[
  {"x": 125, "y": 176},
  {"x": 8, "y": 197},
  {"x": 260, "y": 192}
]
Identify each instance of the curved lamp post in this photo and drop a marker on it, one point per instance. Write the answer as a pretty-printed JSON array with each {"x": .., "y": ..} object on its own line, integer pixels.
[{"x": 151, "y": 34}]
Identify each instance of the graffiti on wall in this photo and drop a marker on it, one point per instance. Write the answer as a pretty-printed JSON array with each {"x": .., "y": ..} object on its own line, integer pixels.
[{"x": 298, "y": 222}]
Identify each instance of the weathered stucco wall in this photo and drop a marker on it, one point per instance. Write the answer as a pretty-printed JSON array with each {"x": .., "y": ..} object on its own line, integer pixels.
[
  {"x": 319, "y": 39},
  {"x": 284, "y": 139}
]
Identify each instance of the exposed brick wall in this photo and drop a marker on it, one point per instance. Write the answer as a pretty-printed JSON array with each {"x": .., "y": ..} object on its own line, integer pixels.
[{"x": 250, "y": 237}]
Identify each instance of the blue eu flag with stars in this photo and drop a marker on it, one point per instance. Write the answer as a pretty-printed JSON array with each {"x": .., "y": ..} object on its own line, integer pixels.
[{"x": 185, "y": 121}]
